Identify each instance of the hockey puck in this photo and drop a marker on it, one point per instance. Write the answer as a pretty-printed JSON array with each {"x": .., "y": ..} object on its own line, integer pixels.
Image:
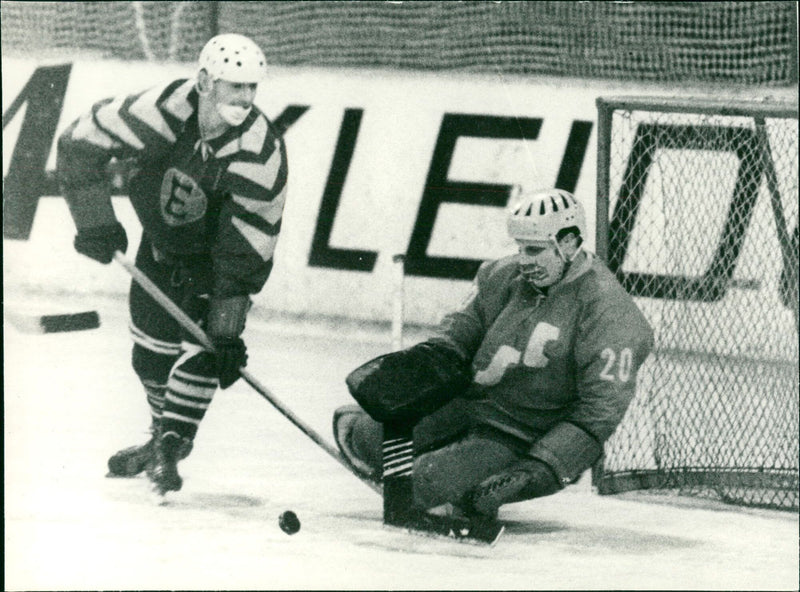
[{"x": 289, "y": 522}]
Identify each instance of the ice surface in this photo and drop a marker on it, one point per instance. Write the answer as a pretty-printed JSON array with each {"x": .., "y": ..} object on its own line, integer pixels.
[{"x": 72, "y": 399}]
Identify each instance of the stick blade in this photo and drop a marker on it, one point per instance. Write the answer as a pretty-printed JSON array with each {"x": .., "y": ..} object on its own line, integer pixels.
[{"x": 53, "y": 323}]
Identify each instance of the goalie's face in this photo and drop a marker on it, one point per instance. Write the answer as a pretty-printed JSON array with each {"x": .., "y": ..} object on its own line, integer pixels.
[{"x": 543, "y": 263}]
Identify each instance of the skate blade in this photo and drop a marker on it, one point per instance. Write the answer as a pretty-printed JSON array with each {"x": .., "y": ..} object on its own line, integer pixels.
[
  {"x": 157, "y": 497},
  {"x": 485, "y": 533},
  {"x": 111, "y": 475},
  {"x": 160, "y": 496}
]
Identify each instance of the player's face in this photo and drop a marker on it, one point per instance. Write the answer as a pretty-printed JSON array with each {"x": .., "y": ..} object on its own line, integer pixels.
[
  {"x": 240, "y": 94},
  {"x": 540, "y": 262},
  {"x": 234, "y": 100}
]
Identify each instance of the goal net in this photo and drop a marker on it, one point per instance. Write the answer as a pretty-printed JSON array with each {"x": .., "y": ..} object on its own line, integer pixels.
[
  {"x": 752, "y": 43},
  {"x": 697, "y": 215}
]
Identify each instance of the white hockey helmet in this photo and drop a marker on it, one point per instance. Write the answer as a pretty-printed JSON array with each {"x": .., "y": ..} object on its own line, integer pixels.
[
  {"x": 234, "y": 58},
  {"x": 540, "y": 215}
]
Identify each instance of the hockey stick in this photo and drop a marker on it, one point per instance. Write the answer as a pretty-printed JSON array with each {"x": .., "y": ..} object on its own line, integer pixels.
[
  {"x": 187, "y": 323},
  {"x": 417, "y": 523}
]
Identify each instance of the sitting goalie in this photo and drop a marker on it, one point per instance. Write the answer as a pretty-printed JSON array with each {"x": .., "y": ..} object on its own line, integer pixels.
[{"x": 515, "y": 394}]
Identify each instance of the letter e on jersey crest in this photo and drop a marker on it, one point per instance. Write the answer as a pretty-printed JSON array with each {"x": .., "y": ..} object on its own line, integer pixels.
[{"x": 182, "y": 200}]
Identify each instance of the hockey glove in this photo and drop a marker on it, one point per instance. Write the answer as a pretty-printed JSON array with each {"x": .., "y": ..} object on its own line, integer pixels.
[
  {"x": 231, "y": 356},
  {"x": 407, "y": 385},
  {"x": 101, "y": 242},
  {"x": 226, "y": 317}
]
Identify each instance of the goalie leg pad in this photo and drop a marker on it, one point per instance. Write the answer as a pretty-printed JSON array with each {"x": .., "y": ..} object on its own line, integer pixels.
[
  {"x": 359, "y": 438},
  {"x": 568, "y": 450},
  {"x": 556, "y": 460},
  {"x": 523, "y": 481},
  {"x": 406, "y": 386},
  {"x": 447, "y": 474}
]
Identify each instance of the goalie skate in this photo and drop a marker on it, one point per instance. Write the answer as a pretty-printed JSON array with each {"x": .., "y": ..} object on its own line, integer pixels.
[{"x": 475, "y": 530}]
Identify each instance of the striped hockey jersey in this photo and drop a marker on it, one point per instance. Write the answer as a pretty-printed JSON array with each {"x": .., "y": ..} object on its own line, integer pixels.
[
  {"x": 571, "y": 356},
  {"x": 223, "y": 198}
]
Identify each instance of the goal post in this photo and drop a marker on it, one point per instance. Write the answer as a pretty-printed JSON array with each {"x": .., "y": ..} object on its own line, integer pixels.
[{"x": 697, "y": 215}]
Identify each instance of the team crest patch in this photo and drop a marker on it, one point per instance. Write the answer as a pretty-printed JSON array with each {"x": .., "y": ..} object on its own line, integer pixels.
[{"x": 182, "y": 200}]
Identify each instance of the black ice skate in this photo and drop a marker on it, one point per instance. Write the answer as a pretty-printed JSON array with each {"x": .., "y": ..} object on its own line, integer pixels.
[
  {"x": 163, "y": 468},
  {"x": 133, "y": 460}
]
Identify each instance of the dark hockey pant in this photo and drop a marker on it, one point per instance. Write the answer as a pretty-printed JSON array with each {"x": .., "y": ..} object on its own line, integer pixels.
[{"x": 178, "y": 375}]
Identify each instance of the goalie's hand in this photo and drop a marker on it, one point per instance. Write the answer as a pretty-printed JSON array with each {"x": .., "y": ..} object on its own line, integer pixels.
[
  {"x": 406, "y": 385},
  {"x": 101, "y": 242},
  {"x": 226, "y": 318}
]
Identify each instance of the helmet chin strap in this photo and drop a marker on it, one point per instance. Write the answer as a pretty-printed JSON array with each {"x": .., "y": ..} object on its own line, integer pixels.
[
  {"x": 574, "y": 255},
  {"x": 564, "y": 258},
  {"x": 567, "y": 261}
]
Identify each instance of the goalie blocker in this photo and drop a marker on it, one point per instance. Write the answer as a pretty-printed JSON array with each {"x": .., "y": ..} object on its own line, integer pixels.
[{"x": 403, "y": 387}]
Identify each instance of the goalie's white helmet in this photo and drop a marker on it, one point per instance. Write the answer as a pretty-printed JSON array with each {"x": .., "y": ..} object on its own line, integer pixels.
[
  {"x": 234, "y": 58},
  {"x": 540, "y": 215}
]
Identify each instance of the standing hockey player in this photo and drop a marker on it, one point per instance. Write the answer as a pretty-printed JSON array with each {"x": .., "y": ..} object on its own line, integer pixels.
[
  {"x": 514, "y": 396},
  {"x": 209, "y": 180}
]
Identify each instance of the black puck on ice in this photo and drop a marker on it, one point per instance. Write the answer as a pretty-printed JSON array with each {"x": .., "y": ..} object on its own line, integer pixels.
[{"x": 289, "y": 522}]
